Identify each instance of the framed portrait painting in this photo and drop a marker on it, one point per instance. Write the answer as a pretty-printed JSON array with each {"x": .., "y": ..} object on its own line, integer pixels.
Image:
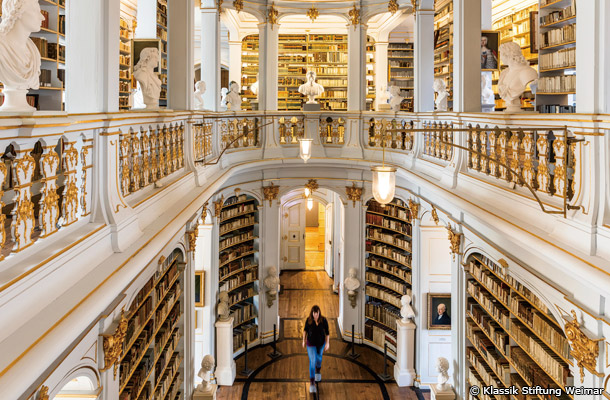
[
  {"x": 199, "y": 288},
  {"x": 439, "y": 311},
  {"x": 490, "y": 42}
]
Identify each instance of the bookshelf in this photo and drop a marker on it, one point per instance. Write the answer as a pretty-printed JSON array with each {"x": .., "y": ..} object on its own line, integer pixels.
[
  {"x": 162, "y": 34},
  {"x": 443, "y": 45},
  {"x": 238, "y": 266},
  {"x": 249, "y": 59},
  {"x": 557, "y": 74},
  {"x": 517, "y": 27},
  {"x": 388, "y": 271},
  {"x": 400, "y": 71},
  {"x": 512, "y": 338},
  {"x": 51, "y": 42},
  {"x": 125, "y": 64},
  {"x": 152, "y": 358},
  {"x": 370, "y": 73}
]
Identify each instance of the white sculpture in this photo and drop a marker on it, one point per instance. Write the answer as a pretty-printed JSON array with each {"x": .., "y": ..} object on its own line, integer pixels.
[
  {"x": 254, "y": 87},
  {"x": 515, "y": 78},
  {"x": 223, "y": 98},
  {"x": 271, "y": 282},
  {"x": 442, "y": 94},
  {"x": 222, "y": 309},
  {"x": 406, "y": 311},
  {"x": 207, "y": 366},
  {"x": 233, "y": 98},
  {"x": 442, "y": 366},
  {"x": 199, "y": 91},
  {"x": 384, "y": 96},
  {"x": 352, "y": 284},
  {"x": 487, "y": 93},
  {"x": 395, "y": 98},
  {"x": 311, "y": 88},
  {"x": 144, "y": 72},
  {"x": 19, "y": 57}
]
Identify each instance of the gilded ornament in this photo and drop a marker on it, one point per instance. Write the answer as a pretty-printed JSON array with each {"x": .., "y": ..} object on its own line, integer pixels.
[
  {"x": 354, "y": 193},
  {"x": 270, "y": 192},
  {"x": 204, "y": 212},
  {"x": 238, "y": 5},
  {"x": 113, "y": 345},
  {"x": 312, "y": 185},
  {"x": 414, "y": 208},
  {"x": 219, "y": 7},
  {"x": 455, "y": 239},
  {"x": 354, "y": 15},
  {"x": 392, "y": 7},
  {"x": 584, "y": 350},
  {"x": 434, "y": 215},
  {"x": 313, "y": 13},
  {"x": 414, "y": 5},
  {"x": 218, "y": 206},
  {"x": 22, "y": 225},
  {"x": 272, "y": 15},
  {"x": 43, "y": 394}
]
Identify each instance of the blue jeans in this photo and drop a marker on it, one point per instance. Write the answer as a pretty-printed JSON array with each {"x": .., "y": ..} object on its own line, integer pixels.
[{"x": 315, "y": 359}]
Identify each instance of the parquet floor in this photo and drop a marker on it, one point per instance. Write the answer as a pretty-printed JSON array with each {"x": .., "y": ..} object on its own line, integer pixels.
[{"x": 288, "y": 376}]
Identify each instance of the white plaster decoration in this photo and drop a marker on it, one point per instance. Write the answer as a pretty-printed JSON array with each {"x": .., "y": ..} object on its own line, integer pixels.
[
  {"x": 383, "y": 98},
  {"x": 442, "y": 366},
  {"x": 272, "y": 283},
  {"x": 19, "y": 57},
  {"x": 406, "y": 311},
  {"x": 311, "y": 88},
  {"x": 49, "y": 209},
  {"x": 352, "y": 284},
  {"x": 404, "y": 369},
  {"x": 144, "y": 72},
  {"x": 395, "y": 98},
  {"x": 488, "y": 99},
  {"x": 440, "y": 88},
  {"x": 233, "y": 98},
  {"x": 514, "y": 79},
  {"x": 222, "y": 309},
  {"x": 205, "y": 373},
  {"x": 199, "y": 91},
  {"x": 22, "y": 224},
  {"x": 226, "y": 369},
  {"x": 223, "y": 98}
]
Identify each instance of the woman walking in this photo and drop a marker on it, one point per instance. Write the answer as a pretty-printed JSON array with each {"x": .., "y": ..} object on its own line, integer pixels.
[{"x": 317, "y": 339}]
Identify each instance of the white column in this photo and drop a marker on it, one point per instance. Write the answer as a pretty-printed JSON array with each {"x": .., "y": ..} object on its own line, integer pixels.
[
  {"x": 210, "y": 54},
  {"x": 424, "y": 61},
  {"x": 605, "y": 58},
  {"x": 404, "y": 369},
  {"x": 269, "y": 253},
  {"x": 356, "y": 67},
  {"x": 486, "y": 13},
  {"x": 466, "y": 55},
  {"x": 181, "y": 56},
  {"x": 590, "y": 71},
  {"x": 225, "y": 365},
  {"x": 92, "y": 61},
  {"x": 458, "y": 329},
  {"x": 381, "y": 69},
  {"x": 267, "y": 66},
  {"x": 235, "y": 61}
]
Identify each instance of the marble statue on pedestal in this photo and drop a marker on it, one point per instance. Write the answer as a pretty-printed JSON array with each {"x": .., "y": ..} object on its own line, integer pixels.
[
  {"x": 222, "y": 309},
  {"x": 271, "y": 282},
  {"x": 442, "y": 94},
  {"x": 311, "y": 88},
  {"x": 352, "y": 284},
  {"x": 488, "y": 99},
  {"x": 223, "y": 98},
  {"x": 406, "y": 311},
  {"x": 207, "y": 367},
  {"x": 144, "y": 72},
  {"x": 233, "y": 98},
  {"x": 199, "y": 91},
  {"x": 19, "y": 57},
  {"x": 514, "y": 79},
  {"x": 442, "y": 366},
  {"x": 395, "y": 98}
]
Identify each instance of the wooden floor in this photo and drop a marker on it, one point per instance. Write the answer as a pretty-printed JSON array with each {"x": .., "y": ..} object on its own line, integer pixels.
[{"x": 288, "y": 376}]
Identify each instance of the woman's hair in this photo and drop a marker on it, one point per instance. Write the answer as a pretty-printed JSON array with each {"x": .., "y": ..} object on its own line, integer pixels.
[
  {"x": 145, "y": 55},
  {"x": 12, "y": 10},
  {"x": 314, "y": 309}
]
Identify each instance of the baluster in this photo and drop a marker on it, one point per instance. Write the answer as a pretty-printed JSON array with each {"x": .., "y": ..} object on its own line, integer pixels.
[
  {"x": 341, "y": 131},
  {"x": 449, "y": 140},
  {"x": 571, "y": 166},
  {"x": 322, "y": 130},
  {"x": 180, "y": 136},
  {"x": 442, "y": 137},
  {"x": 409, "y": 136},
  {"x": 514, "y": 144},
  {"x": 527, "y": 145},
  {"x": 173, "y": 136},
  {"x": 49, "y": 208},
  {"x": 471, "y": 146},
  {"x": 503, "y": 141},
  {"x": 169, "y": 145},
  {"x": 332, "y": 134},
  {"x": 282, "y": 130},
  {"x": 3, "y": 175},
  {"x": 483, "y": 149},
  {"x": 378, "y": 136},
  {"x": 23, "y": 222},
  {"x": 559, "y": 173},
  {"x": 86, "y": 156},
  {"x": 135, "y": 165},
  {"x": 145, "y": 148},
  {"x": 154, "y": 164},
  {"x": 426, "y": 138},
  {"x": 437, "y": 140},
  {"x": 543, "y": 177},
  {"x": 125, "y": 145},
  {"x": 70, "y": 195},
  {"x": 371, "y": 132},
  {"x": 161, "y": 152},
  {"x": 493, "y": 165},
  {"x": 393, "y": 135},
  {"x": 252, "y": 132}
]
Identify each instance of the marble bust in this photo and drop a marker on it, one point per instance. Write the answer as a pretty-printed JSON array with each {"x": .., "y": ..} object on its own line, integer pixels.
[
  {"x": 406, "y": 311},
  {"x": 311, "y": 88},
  {"x": 144, "y": 72},
  {"x": 19, "y": 57},
  {"x": 514, "y": 79},
  {"x": 440, "y": 88},
  {"x": 395, "y": 98},
  {"x": 254, "y": 87},
  {"x": 223, "y": 98},
  {"x": 222, "y": 309},
  {"x": 207, "y": 366},
  {"x": 383, "y": 98},
  {"x": 233, "y": 98},
  {"x": 487, "y": 93},
  {"x": 352, "y": 284},
  {"x": 271, "y": 282},
  {"x": 442, "y": 366},
  {"x": 199, "y": 91}
]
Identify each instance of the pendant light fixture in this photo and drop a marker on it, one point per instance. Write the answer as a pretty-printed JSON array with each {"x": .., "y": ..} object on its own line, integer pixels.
[
  {"x": 384, "y": 180},
  {"x": 305, "y": 145},
  {"x": 309, "y": 203}
]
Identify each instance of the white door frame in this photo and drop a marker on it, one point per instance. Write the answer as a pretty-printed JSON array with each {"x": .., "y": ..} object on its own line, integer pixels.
[
  {"x": 329, "y": 220},
  {"x": 299, "y": 237}
]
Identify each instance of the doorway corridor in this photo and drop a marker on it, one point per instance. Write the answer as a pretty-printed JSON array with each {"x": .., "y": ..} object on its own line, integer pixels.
[{"x": 288, "y": 376}]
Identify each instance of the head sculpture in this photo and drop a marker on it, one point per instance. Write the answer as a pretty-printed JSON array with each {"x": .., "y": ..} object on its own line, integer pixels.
[
  {"x": 21, "y": 18},
  {"x": 200, "y": 86},
  {"x": 439, "y": 85},
  {"x": 511, "y": 54},
  {"x": 405, "y": 300},
  {"x": 311, "y": 76},
  {"x": 272, "y": 271},
  {"x": 234, "y": 87},
  {"x": 207, "y": 364},
  {"x": 394, "y": 90},
  {"x": 223, "y": 297},
  {"x": 149, "y": 57}
]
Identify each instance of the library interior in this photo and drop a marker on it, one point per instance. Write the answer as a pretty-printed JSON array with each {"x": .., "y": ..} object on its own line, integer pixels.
[{"x": 290, "y": 199}]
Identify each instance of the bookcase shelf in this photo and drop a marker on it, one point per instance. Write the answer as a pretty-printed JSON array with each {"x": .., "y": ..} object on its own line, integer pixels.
[
  {"x": 125, "y": 64},
  {"x": 388, "y": 270},
  {"x": 511, "y": 336},
  {"x": 400, "y": 71},
  {"x": 443, "y": 45},
  {"x": 238, "y": 265},
  {"x": 153, "y": 344}
]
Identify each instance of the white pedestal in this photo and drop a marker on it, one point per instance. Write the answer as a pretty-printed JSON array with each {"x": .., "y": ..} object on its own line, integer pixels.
[
  {"x": 209, "y": 395},
  {"x": 225, "y": 365},
  {"x": 404, "y": 371},
  {"x": 446, "y": 394}
]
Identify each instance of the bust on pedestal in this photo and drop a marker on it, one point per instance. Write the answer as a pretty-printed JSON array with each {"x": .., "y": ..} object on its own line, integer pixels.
[
  {"x": 19, "y": 57},
  {"x": 311, "y": 89},
  {"x": 271, "y": 282},
  {"x": 442, "y": 390},
  {"x": 226, "y": 370},
  {"x": 514, "y": 79},
  {"x": 233, "y": 98},
  {"x": 395, "y": 98},
  {"x": 352, "y": 284},
  {"x": 488, "y": 98},
  {"x": 199, "y": 91},
  {"x": 144, "y": 72},
  {"x": 404, "y": 369},
  {"x": 383, "y": 99},
  {"x": 442, "y": 94},
  {"x": 206, "y": 390}
]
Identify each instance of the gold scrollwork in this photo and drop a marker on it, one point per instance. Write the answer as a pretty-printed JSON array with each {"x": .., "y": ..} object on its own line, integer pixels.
[
  {"x": 113, "y": 345},
  {"x": 455, "y": 239},
  {"x": 238, "y": 5},
  {"x": 272, "y": 15},
  {"x": 354, "y": 15},
  {"x": 584, "y": 349},
  {"x": 354, "y": 193},
  {"x": 270, "y": 193},
  {"x": 414, "y": 208},
  {"x": 312, "y": 185},
  {"x": 43, "y": 393},
  {"x": 218, "y": 206},
  {"x": 313, "y": 13},
  {"x": 392, "y": 7},
  {"x": 434, "y": 215},
  {"x": 192, "y": 238}
]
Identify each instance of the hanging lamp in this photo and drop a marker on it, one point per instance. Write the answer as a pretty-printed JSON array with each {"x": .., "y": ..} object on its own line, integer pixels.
[
  {"x": 384, "y": 181},
  {"x": 305, "y": 148}
]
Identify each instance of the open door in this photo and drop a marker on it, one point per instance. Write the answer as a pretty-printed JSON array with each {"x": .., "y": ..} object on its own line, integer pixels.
[
  {"x": 328, "y": 240},
  {"x": 293, "y": 235}
]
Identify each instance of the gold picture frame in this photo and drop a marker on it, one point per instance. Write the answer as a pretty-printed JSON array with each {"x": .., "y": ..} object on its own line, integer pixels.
[
  {"x": 435, "y": 320},
  {"x": 490, "y": 53},
  {"x": 199, "y": 288}
]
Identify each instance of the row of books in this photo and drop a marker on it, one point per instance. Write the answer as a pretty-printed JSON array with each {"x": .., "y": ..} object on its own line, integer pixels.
[
  {"x": 556, "y": 109},
  {"x": 138, "y": 378},
  {"x": 489, "y": 304},
  {"x": 485, "y": 372},
  {"x": 402, "y": 74},
  {"x": 558, "y": 15},
  {"x": 400, "y": 64},
  {"x": 558, "y": 36},
  {"x": 164, "y": 284},
  {"x": 247, "y": 276},
  {"x": 169, "y": 305},
  {"x": 558, "y": 59},
  {"x": 495, "y": 358},
  {"x": 493, "y": 330},
  {"x": 140, "y": 346},
  {"x": 124, "y": 87},
  {"x": 241, "y": 209},
  {"x": 530, "y": 370},
  {"x": 235, "y": 200},
  {"x": 125, "y": 60},
  {"x": 380, "y": 335},
  {"x": 49, "y": 50},
  {"x": 474, "y": 380},
  {"x": 396, "y": 239},
  {"x": 242, "y": 312},
  {"x": 235, "y": 239},
  {"x": 236, "y": 252},
  {"x": 500, "y": 289},
  {"x": 394, "y": 225},
  {"x": 374, "y": 277},
  {"x": 386, "y": 295},
  {"x": 242, "y": 333},
  {"x": 333, "y": 82},
  {"x": 171, "y": 373},
  {"x": 396, "y": 270},
  {"x": 328, "y": 57},
  {"x": 388, "y": 252},
  {"x": 396, "y": 53},
  {"x": 45, "y": 21},
  {"x": 383, "y": 313},
  {"x": 557, "y": 84},
  {"x": 45, "y": 78},
  {"x": 137, "y": 321},
  {"x": 241, "y": 294},
  {"x": 124, "y": 47},
  {"x": 237, "y": 223}
]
